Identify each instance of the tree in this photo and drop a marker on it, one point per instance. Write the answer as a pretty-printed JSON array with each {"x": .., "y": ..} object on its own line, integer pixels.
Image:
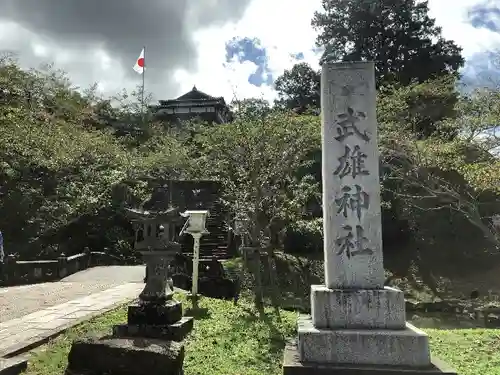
[
  {"x": 424, "y": 109},
  {"x": 445, "y": 188},
  {"x": 256, "y": 160},
  {"x": 58, "y": 175},
  {"x": 478, "y": 118},
  {"x": 398, "y": 35},
  {"x": 298, "y": 88},
  {"x": 251, "y": 108}
]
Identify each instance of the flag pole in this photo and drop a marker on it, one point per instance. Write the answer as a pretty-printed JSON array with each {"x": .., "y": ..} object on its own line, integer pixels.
[{"x": 143, "y": 84}]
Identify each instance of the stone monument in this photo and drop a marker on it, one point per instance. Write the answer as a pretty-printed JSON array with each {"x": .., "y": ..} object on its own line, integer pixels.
[
  {"x": 357, "y": 326},
  {"x": 152, "y": 340}
]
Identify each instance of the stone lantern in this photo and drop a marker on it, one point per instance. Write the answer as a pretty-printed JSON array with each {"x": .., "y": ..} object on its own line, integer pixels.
[
  {"x": 154, "y": 242},
  {"x": 152, "y": 340},
  {"x": 195, "y": 226}
]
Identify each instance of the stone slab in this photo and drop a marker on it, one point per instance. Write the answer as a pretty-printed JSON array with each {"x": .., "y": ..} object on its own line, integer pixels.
[
  {"x": 408, "y": 347},
  {"x": 25, "y": 333},
  {"x": 373, "y": 308},
  {"x": 13, "y": 366},
  {"x": 293, "y": 366},
  {"x": 125, "y": 356},
  {"x": 18, "y": 341},
  {"x": 176, "y": 332},
  {"x": 150, "y": 314},
  {"x": 352, "y": 224}
]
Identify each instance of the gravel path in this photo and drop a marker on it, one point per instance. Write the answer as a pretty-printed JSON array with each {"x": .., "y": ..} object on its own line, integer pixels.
[{"x": 22, "y": 300}]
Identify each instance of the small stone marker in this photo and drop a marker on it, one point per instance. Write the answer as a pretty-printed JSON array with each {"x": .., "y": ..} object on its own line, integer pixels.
[{"x": 355, "y": 321}]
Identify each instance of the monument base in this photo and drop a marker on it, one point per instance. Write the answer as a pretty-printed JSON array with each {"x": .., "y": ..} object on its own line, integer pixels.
[
  {"x": 407, "y": 347},
  {"x": 293, "y": 366},
  {"x": 170, "y": 332},
  {"x": 360, "y": 308},
  {"x": 125, "y": 356}
]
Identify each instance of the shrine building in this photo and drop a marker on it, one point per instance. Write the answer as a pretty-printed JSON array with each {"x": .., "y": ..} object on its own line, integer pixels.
[{"x": 194, "y": 104}]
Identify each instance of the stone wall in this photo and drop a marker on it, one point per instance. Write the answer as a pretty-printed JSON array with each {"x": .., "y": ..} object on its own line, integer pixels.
[{"x": 19, "y": 272}]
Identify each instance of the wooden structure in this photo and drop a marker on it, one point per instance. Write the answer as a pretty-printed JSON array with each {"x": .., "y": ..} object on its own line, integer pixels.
[{"x": 194, "y": 104}]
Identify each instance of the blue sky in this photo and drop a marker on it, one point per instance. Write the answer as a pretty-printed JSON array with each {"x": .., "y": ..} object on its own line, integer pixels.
[
  {"x": 250, "y": 49},
  {"x": 481, "y": 68}
]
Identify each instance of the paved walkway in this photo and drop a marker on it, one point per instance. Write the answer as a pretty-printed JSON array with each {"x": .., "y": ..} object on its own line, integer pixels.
[
  {"x": 23, "y": 300},
  {"x": 31, "y": 314}
]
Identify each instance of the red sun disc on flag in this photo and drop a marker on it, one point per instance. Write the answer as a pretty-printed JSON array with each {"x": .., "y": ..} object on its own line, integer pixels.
[{"x": 140, "y": 62}]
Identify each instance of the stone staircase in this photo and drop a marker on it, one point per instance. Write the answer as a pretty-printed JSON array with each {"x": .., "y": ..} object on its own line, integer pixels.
[
  {"x": 203, "y": 195},
  {"x": 214, "y": 244}
]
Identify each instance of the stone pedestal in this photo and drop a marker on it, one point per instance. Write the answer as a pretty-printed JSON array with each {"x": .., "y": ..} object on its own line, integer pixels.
[
  {"x": 402, "y": 347},
  {"x": 125, "y": 356},
  {"x": 292, "y": 365},
  {"x": 152, "y": 340},
  {"x": 362, "y": 308},
  {"x": 363, "y": 327},
  {"x": 357, "y": 326}
]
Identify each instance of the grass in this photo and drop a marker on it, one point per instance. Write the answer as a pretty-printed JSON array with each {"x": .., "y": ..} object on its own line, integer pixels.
[
  {"x": 227, "y": 339},
  {"x": 51, "y": 359},
  {"x": 233, "y": 340},
  {"x": 470, "y": 351}
]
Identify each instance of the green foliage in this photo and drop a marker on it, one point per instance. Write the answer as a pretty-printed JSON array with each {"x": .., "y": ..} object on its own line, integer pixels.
[
  {"x": 478, "y": 114},
  {"x": 304, "y": 237},
  {"x": 420, "y": 108},
  {"x": 298, "y": 88},
  {"x": 56, "y": 169},
  {"x": 443, "y": 188},
  {"x": 65, "y": 178},
  {"x": 398, "y": 35},
  {"x": 251, "y": 108},
  {"x": 256, "y": 160},
  {"x": 228, "y": 340},
  {"x": 469, "y": 351}
]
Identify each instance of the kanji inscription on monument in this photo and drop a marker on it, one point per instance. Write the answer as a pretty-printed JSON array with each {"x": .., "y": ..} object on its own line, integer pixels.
[
  {"x": 351, "y": 190},
  {"x": 352, "y": 200}
]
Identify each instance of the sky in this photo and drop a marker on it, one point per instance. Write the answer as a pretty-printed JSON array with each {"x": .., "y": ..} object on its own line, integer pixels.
[{"x": 229, "y": 48}]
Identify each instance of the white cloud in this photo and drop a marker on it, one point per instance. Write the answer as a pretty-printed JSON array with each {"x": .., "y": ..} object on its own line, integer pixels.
[
  {"x": 292, "y": 33},
  {"x": 282, "y": 26},
  {"x": 453, "y": 20},
  {"x": 280, "y": 36}
]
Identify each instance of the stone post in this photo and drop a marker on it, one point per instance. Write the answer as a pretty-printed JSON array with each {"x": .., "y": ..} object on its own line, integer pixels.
[
  {"x": 88, "y": 253},
  {"x": 196, "y": 263},
  {"x": 9, "y": 269},
  {"x": 355, "y": 320},
  {"x": 62, "y": 265}
]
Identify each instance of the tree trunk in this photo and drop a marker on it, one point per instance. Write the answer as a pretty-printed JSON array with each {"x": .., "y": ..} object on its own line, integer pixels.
[
  {"x": 241, "y": 278},
  {"x": 259, "y": 294},
  {"x": 273, "y": 279}
]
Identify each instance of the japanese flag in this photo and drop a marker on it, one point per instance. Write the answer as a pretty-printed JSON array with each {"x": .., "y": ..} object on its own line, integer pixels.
[{"x": 139, "y": 64}]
